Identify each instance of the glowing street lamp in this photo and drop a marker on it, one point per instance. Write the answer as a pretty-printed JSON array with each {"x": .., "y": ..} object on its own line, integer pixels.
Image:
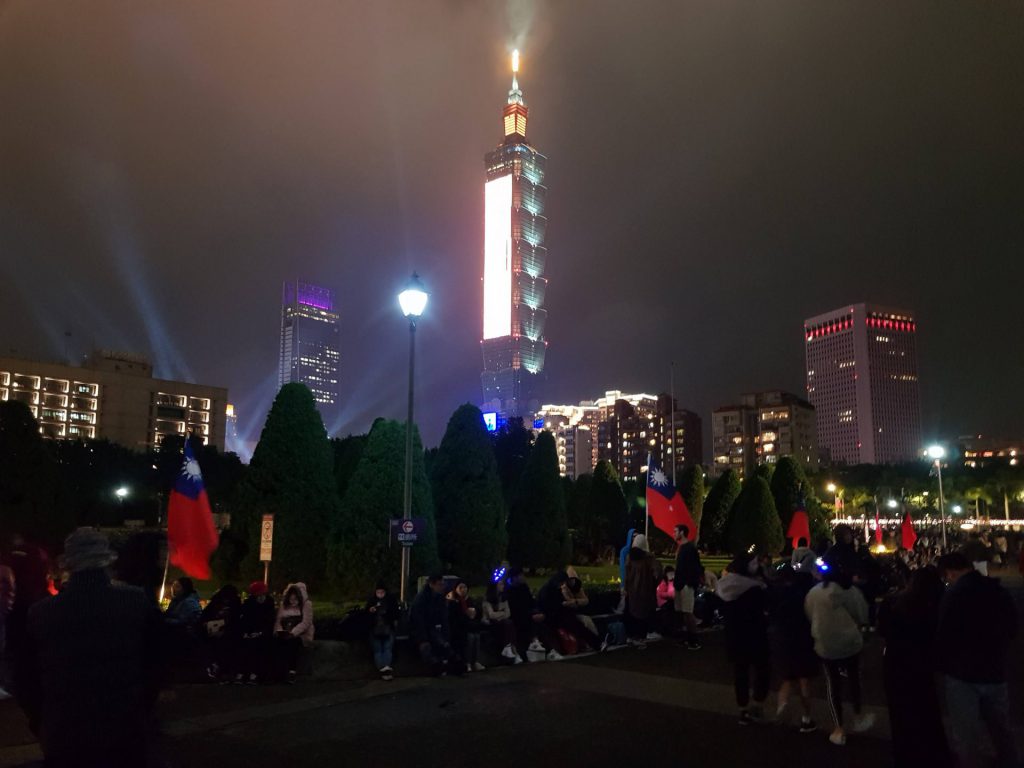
[
  {"x": 937, "y": 453},
  {"x": 122, "y": 493},
  {"x": 957, "y": 509},
  {"x": 835, "y": 491},
  {"x": 892, "y": 503},
  {"x": 413, "y": 300}
]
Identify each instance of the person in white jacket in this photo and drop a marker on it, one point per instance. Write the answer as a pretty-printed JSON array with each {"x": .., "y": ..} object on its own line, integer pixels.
[{"x": 837, "y": 611}]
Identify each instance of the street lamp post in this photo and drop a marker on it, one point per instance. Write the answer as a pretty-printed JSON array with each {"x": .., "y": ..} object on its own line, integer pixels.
[
  {"x": 834, "y": 490},
  {"x": 937, "y": 452},
  {"x": 413, "y": 300}
]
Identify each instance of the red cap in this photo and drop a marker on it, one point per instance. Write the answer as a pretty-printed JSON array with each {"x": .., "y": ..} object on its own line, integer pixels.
[{"x": 258, "y": 588}]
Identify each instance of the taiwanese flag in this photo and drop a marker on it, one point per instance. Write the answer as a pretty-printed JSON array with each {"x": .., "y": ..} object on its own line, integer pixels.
[
  {"x": 665, "y": 506},
  {"x": 907, "y": 532},
  {"x": 191, "y": 536},
  {"x": 799, "y": 526}
]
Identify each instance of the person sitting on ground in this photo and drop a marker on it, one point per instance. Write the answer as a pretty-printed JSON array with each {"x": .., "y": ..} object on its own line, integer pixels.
[
  {"x": 525, "y": 616},
  {"x": 575, "y": 599},
  {"x": 837, "y": 611},
  {"x": 498, "y": 617},
  {"x": 383, "y": 610},
  {"x": 465, "y": 625},
  {"x": 184, "y": 610},
  {"x": 743, "y": 594},
  {"x": 255, "y": 627},
  {"x": 558, "y": 615},
  {"x": 293, "y": 628},
  {"x": 219, "y": 628},
  {"x": 976, "y": 628},
  {"x": 90, "y": 673},
  {"x": 642, "y": 575},
  {"x": 792, "y": 647},
  {"x": 428, "y": 622}
]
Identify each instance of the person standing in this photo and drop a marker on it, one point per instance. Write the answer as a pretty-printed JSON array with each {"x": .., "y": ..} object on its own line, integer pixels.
[
  {"x": 908, "y": 623},
  {"x": 383, "y": 610},
  {"x": 837, "y": 610},
  {"x": 790, "y": 635},
  {"x": 89, "y": 673},
  {"x": 641, "y": 588},
  {"x": 744, "y": 604},
  {"x": 977, "y": 624},
  {"x": 688, "y": 576}
]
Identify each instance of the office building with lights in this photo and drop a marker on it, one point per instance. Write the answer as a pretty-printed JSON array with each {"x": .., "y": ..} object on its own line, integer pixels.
[
  {"x": 862, "y": 381},
  {"x": 114, "y": 396},
  {"x": 310, "y": 350},
  {"x": 513, "y": 342},
  {"x": 761, "y": 428}
]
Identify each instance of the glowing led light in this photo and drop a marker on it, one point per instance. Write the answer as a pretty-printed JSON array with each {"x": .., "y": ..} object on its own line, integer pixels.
[
  {"x": 498, "y": 258},
  {"x": 515, "y": 60}
]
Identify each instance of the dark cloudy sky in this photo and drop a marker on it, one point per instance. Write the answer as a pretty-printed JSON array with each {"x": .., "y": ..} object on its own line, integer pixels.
[{"x": 718, "y": 171}]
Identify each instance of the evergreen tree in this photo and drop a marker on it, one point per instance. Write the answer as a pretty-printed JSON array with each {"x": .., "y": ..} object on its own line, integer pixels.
[
  {"x": 788, "y": 488},
  {"x": 347, "y": 453},
  {"x": 512, "y": 446},
  {"x": 468, "y": 501},
  {"x": 537, "y": 532},
  {"x": 291, "y": 476},
  {"x": 607, "y": 518},
  {"x": 691, "y": 486},
  {"x": 716, "y": 509},
  {"x": 753, "y": 520},
  {"x": 28, "y": 474},
  {"x": 577, "y": 500},
  {"x": 359, "y": 551}
]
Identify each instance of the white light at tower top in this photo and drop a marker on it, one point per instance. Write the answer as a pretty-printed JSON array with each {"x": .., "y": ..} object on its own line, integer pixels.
[{"x": 515, "y": 60}]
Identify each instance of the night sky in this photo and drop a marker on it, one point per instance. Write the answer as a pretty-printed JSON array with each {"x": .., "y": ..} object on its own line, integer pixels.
[{"x": 718, "y": 171}]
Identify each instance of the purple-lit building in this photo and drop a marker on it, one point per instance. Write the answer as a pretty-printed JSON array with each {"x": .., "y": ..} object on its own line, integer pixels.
[{"x": 309, "y": 343}]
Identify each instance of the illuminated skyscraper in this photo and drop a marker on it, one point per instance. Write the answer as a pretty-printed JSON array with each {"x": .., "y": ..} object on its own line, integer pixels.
[
  {"x": 862, "y": 381},
  {"x": 309, "y": 343},
  {"x": 514, "y": 256}
]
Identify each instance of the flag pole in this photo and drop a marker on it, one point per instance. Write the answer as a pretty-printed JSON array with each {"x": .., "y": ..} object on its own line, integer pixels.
[
  {"x": 167, "y": 563},
  {"x": 647, "y": 509}
]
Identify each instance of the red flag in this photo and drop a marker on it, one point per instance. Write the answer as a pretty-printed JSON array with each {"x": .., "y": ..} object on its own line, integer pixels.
[
  {"x": 191, "y": 535},
  {"x": 907, "y": 533},
  {"x": 878, "y": 528},
  {"x": 799, "y": 527},
  {"x": 665, "y": 504}
]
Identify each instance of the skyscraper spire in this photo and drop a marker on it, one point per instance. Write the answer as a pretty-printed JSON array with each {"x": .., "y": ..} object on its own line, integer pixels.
[
  {"x": 515, "y": 96},
  {"x": 515, "y": 111}
]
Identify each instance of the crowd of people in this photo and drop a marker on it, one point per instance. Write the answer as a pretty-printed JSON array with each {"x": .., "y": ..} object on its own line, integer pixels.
[{"x": 86, "y": 664}]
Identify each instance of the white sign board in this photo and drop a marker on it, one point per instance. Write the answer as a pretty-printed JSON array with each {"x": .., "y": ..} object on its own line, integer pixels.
[{"x": 266, "y": 538}]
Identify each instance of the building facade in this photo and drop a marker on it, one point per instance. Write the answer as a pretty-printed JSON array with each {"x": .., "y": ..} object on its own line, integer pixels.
[
  {"x": 310, "y": 348},
  {"x": 114, "y": 396},
  {"x": 862, "y": 380},
  {"x": 514, "y": 284},
  {"x": 759, "y": 429}
]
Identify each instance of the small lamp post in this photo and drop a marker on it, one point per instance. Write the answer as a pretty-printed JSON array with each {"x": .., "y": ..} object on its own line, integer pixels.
[
  {"x": 412, "y": 300},
  {"x": 936, "y": 453}
]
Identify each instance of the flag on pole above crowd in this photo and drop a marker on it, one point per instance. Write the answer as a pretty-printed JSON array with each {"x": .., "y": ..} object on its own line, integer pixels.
[
  {"x": 665, "y": 505},
  {"x": 878, "y": 527},
  {"x": 908, "y": 535},
  {"x": 191, "y": 535},
  {"x": 799, "y": 525}
]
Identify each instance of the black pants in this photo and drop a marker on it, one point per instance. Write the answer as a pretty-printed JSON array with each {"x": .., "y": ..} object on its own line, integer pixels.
[
  {"x": 637, "y": 628},
  {"x": 837, "y": 673},
  {"x": 289, "y": 648},
  {"x": 741, "y": 678}
]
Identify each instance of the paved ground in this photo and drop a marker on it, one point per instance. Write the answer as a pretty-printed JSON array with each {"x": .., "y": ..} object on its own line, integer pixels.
[{"x": 662, "y": 706}]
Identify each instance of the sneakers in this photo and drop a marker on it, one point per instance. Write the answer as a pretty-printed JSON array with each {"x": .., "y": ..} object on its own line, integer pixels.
[
  {"x": 604, "y": 644},
  {"x": 4, "y": 694},
  {"x": 536, "y": 645},
  {"x": 507, "y": 652},
  {"x": 469, "y": 667},
  {"x": 807, "y": 725},
  {"x": 862, "y": 723},
  {"x": 478, "y": 667},
  {"x": 213, "y": 671},
  {"x": 693, "y": 645},
  {"x": 386, "y": 673},
  {"x": 252, "y": 679},
  {"x": 292, "y": 674},
  {"x": 746, "y": 718},
  {"x": 517, "y": 660},
  {"x": 554, "y": 655},
  {"x": 838, "y": 737},
  {"x": 239, "y": 678},
  {"x": 653, "y": 636}
]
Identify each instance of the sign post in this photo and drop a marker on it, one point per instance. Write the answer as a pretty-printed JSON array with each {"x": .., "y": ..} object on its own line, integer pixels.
[
  {"x": 266, "y": 546},
  {"x": 407, "y": 531}
]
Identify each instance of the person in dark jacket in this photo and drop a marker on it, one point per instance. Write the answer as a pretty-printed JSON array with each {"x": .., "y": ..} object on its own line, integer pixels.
[
  {"x": 525, "y": 617},
  {"x": 744, "y": 604},
  {"x": 428, "y": 621},
  {"x": 558, "y": 616},
  {"x": 842, "y": 557},
  {"x": 219, "y": 630},
  {"x": 688, "y": 578},
  {"x": 29, "y": 566},
  {"x": 255, "y": 633},
  {"x": 89, "y": 676},
  {"x": 977, "y": 624},
  {"x": 184, "y": 610},
  {"x": 792, "y": 647},
  {"x": 464, "y": 621},
  {"x": 641, "y": 590},
  {"x": 383, "y": 609},
  {"x": 907, "y": 621}
]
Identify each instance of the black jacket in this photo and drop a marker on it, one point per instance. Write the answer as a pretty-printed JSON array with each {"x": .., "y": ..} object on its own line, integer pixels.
[
  {"x": 689, "y": 570},
  {"x": 520, "y": 602},
  {"x": 977, "y": 624},
  {"x": 90, "y": 674},
  {"x": 256, "y": 619},
  {"x": 746, "y": 626},
  {"x": 384, "y": 618},
  {"x": 428, "y": 616}
]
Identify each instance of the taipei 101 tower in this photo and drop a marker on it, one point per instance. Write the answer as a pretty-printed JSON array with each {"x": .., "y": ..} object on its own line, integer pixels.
[{"x": 514, "y": 257}]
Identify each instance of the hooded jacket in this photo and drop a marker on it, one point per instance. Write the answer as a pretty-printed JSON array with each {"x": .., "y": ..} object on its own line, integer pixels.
[
  {"x": 642, "y": 575},
  {"x": 304, "y": 613},
  {"x": 836, "y": 616},
  {"x": 746, "y": 623}
]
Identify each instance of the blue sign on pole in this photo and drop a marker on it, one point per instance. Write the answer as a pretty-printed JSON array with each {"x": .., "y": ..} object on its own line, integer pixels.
[{"x": 407, "y": 532}]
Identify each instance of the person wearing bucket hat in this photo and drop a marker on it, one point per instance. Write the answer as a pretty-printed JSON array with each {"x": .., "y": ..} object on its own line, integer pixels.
[{"x": 90, "y": 677}]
